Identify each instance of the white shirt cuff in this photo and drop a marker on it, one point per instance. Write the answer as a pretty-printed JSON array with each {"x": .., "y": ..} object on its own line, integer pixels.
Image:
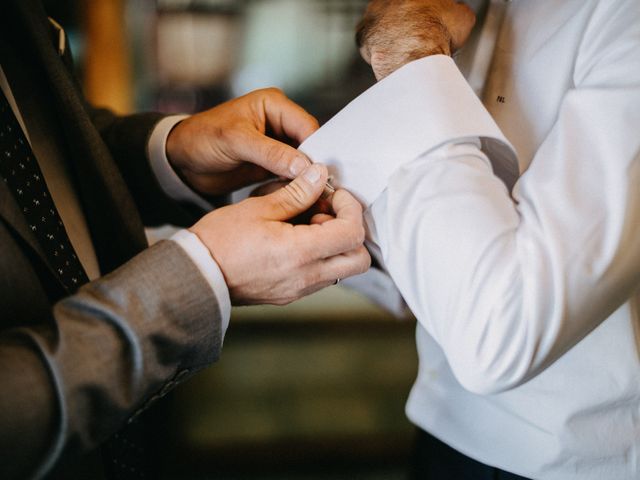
[
  {"x": 168, "y": 179},
  {"x": 200, "y": 255},
  {"x": 423, "y": 105}
]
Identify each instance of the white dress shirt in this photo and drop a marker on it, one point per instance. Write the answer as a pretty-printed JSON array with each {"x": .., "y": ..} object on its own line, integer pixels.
[{"x": 526, "y": 298}]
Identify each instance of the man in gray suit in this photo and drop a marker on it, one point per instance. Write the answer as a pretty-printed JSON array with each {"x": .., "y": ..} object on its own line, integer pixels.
[{"x": 95, "y": 326}]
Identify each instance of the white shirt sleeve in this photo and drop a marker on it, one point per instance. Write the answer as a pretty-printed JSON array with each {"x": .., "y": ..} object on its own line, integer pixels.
[
  {"x": 178, "y": 190},
  {"x": 168, "y": 179},
  {"x": 506, "y": 284},
  {"x": 412, "y": 111},
  {"x": 200, "y": 255}
]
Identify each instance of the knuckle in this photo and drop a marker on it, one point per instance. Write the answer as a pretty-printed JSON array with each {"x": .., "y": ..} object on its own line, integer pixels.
[
  {"x": 294, "y": 194},
  {"x": 365, "y": 259},
  {"x": 360, "y": 235},
  {"x": 360, "y": 261},
  {"x": 346, "y": 199},
  {"x": 356, "y": 236},
  {"x": 276, "y": 156},
  {"x": 272, "y": 92}
]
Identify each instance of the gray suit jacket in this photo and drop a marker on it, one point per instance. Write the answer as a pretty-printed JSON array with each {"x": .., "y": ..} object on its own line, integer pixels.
[{"x": 74, "y": 369}]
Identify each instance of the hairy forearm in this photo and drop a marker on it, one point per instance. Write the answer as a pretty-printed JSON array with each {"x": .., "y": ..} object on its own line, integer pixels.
[{"x": 394, "y": 33}]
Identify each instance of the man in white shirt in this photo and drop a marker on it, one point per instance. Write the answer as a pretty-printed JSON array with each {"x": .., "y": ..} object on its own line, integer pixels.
[{"x": 523, "y": 269}]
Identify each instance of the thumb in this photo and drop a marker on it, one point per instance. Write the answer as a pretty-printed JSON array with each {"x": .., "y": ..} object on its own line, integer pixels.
[
  {"x": 272, "y": 155},
  {"x": 298, "y": 196}
]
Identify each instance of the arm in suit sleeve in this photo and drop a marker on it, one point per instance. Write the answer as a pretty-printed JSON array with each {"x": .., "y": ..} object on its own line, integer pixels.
[
  {"x": 119, "y": 343},
  {"x": 127, "y": 138}
]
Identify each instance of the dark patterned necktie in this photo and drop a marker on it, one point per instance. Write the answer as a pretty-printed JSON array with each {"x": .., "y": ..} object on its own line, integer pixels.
[{"x": 21, "y": 172}]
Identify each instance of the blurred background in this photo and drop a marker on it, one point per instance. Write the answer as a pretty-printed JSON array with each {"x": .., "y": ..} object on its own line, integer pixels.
[{"x": 315, "y": 390}]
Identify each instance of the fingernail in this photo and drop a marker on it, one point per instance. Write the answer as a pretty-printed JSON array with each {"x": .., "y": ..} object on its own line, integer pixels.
[
  {"x": 312, "y": 173},
  {"x": 297, "y": 165}
]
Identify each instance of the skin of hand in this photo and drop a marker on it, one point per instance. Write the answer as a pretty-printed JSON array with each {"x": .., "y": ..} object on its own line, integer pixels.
[
  {"x": 393, "y": 33},
  {"x": 266, "y": 259},
  {"x": 322, "y": 205},
  {"x": 230, "y": 146}
]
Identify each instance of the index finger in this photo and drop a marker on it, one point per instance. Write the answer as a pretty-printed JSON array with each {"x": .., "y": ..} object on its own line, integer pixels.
[
  {"x": 334, "y": 236},
  {"x": 346, "y": 207},
  {"x": 287, "y": 118}
]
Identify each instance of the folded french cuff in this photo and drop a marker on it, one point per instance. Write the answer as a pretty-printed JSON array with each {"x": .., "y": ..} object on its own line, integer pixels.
[
  {"x": 209, "y": 269},
  {"x": 420, "y": 107}
]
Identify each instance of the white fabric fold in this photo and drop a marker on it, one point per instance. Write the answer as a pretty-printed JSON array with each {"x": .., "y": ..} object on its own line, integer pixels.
[{"x": 392, "y": 128}]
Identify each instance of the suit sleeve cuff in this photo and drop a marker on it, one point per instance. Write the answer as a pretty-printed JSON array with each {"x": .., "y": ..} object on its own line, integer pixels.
[
  {"x": 200, "y": 255},
  {"x": 415, "y": 110},
  {"x": 168, "y": 179}
]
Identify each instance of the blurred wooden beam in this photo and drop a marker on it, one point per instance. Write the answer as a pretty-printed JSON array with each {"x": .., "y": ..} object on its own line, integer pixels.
[{"x": 108, "y": 73}]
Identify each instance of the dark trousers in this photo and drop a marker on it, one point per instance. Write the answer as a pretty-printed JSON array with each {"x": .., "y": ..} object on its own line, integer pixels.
[{"x": 434, "y": 460}]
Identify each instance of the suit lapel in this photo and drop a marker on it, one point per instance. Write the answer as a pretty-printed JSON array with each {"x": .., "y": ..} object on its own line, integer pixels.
[
  {"x": 13, "y": 216},
  {"x": 115, "y": 226},
  {"x": 15, "y": 220}
]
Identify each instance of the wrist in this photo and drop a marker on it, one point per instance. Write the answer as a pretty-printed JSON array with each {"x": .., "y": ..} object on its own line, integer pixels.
[
  {"x": 438, "y": 42},
  {"x": 385, "y": 60},
  {"x": 175, "y": 147}
]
